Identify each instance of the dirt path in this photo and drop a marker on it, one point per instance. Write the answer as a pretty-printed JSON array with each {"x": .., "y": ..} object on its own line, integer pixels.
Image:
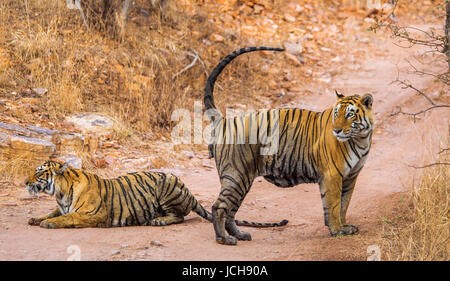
[{"x": 397, "y": 142}]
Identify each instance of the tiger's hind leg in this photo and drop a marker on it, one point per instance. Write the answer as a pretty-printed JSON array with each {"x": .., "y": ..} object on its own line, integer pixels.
[
  {"x": 224, "y": 209},
  {"x": 167, "y": 220},
  {"x": 232, "y": 229}
]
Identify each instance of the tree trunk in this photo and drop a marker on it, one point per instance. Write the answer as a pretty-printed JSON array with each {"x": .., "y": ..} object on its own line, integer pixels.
[{"x": 447, "y": 32}]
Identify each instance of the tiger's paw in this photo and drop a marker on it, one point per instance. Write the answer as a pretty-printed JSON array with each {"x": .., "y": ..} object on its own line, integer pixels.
[
  {"x": 227, "y": 240},
  {"x": 245, "y": 236},
  {"x": 347, "y": 229},
  {"x": 34, "y": 221},
  {"x": 47, "y": 224}
]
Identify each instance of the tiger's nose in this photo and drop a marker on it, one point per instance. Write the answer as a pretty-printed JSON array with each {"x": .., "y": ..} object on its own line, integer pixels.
[{"x": 337, "y": 131}]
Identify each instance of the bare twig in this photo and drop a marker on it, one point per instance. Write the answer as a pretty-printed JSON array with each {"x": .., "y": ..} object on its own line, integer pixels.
[
  {"x": 443, "y": 77},
  {"x": 429, "y": 165},
  {"x": 205, "y": 69},
  {"x": 444, "y": 150},
  {"x": 406, "y": 86},
  {"x": 414, "y": 115},
  {"x": 76, "y": 4},
  {"x": 188, "y": 66}
]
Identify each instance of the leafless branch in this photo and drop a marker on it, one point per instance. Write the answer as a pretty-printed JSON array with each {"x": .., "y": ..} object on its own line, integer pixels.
[
  {"x": 444, "y": 150},
  {"x": 414, "y": 115},
  {"x": 430, "y": 165},
  {"x": 205, "y": 69},
  {"x": 188, "y": 66}
]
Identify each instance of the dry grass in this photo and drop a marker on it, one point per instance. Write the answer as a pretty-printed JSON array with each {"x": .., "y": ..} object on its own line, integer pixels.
[
  {"x": 422, "y": 233},
  {"x": 17, "y": 168},
  {"x": 49, "y": 47}
]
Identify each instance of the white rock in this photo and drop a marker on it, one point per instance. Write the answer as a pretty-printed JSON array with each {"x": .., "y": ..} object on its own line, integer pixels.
[
  {"x": 39, "y": 91},
  {"x": 295, "y": 49},
  {"x": 72, "y": 160},
  {"x": 115, "y": 252},
  {"x": 91, "y": 123},
  {"x": 156, "y": 243}
]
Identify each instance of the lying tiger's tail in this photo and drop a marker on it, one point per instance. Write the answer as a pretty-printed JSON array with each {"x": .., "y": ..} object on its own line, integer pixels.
[
  {"x": 208, "y": 216},
  {"x": 209, "y": 88}
]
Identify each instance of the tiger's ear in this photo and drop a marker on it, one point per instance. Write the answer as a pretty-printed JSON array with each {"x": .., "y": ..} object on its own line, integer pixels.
[
  {"x": 62, "y": 169},
  {"x": 338, "y": 95},
  {"x": 367, "y": 101}
]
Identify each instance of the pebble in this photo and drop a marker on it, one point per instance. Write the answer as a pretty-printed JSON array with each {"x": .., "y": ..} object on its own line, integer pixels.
[
  {"x": 115, "y": 252},
  {"x": 156, "y": 243}
]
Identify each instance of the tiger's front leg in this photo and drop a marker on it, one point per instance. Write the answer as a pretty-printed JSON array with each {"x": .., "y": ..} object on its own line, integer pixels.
[
  {"x": 36, "y": 221},
  {"x": 348, "y": 186},
  {"x": 73, "y": 220},
  {"x": 331, "y": 192}
]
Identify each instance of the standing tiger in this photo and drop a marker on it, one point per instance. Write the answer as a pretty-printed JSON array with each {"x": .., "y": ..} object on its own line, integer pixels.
[
  {"x": 287, "y": 147},
  {"x": 142, "y": 198}
]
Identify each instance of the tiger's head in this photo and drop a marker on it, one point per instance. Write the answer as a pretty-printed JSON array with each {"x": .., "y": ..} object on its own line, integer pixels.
[
  {"x": 45, "y": 178},
  {"x": 352, "y": 117}
]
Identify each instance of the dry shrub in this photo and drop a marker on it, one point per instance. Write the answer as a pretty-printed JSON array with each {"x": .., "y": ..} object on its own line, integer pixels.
[
  {"x": 423, "y": 232},
  {"x": 17, "y": 167},
  {"x": 133, "y": 80}
]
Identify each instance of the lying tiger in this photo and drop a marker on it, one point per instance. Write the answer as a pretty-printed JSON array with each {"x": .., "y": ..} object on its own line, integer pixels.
[
  {"x": 142, "y": 198},
  {"x": 288, "y": 146}
]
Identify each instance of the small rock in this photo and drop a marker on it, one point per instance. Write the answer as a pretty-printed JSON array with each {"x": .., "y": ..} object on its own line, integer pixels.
[
  {"x": 72, "y": 160},
  {"x": 217, "y": 38},
  {"x": 207, "y": 164},
  {"x": 26, "y": 92},
  {"x": 289, "y": 18},
  {"x": 326, "y": 78},
  {"x": 9, "y": 204},
  {"x": 39, "y": 91},
  {"x": 295, "y": 49},
  {"x": 115, "y": 252},
  {"x": 293, "y": 59},
  {"x": 156, "y": 243},
  {"x": 124, "y": 245},
  {"x": 188, "y": 153},
  {"x": 142, "y": 253}
]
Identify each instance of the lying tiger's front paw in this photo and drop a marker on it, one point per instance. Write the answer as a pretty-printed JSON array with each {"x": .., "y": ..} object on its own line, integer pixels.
[
  {"x": 34, "y": 221},
  {"x": 48, "y": 224}
]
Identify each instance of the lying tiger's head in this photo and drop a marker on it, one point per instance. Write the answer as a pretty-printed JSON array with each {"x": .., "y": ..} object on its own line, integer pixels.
[
  {"x": 43, "y": 180},
  {"x": 352, "y": 116}
]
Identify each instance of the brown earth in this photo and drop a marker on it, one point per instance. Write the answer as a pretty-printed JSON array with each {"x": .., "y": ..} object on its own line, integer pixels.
[{"x": 398, "y": 142}]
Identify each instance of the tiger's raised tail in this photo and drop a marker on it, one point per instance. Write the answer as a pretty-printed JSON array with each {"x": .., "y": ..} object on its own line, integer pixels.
[
  {"x": 209, "y": 87},
  {"x": 208, "y": 216}
]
